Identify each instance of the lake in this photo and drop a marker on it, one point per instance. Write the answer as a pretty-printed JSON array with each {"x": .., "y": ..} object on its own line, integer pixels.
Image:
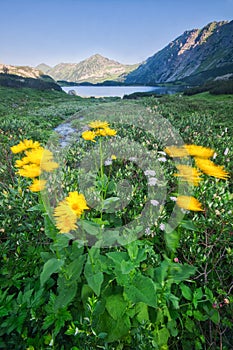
[{"x": 119, "y": 91}]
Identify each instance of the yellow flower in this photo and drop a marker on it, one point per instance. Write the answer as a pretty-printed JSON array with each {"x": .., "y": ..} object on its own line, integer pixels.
[
  {"x": 49, "y": 166},
  {"x": 65, "y": 218},
  {"x": 37, "y": 185},
  {"x": 37, "y": 155},
  {"x": 189, "y": 203},
  {"x": 24, "y": 145},
  {"x": 175, "y": 151},
  {"x": 199, "y": 151},
  {"x": 89, "y": 135},
  {"x": 208, "y": 167},
  {"x": 77, "y": 203},
  {"x": 19, "y": 163},
  {"x": 97, "y": 124},
  {"x": 189, "y": 174},
  {"x": 110, "y": 132},
  {"x": 100, "y": 132},
  {"x": 30, "y": 170},
  {"x": 113, "y": 157}
]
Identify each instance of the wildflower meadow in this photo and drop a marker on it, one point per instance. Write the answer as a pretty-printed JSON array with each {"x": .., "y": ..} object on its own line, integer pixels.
[{"x": 118, "y": 235}]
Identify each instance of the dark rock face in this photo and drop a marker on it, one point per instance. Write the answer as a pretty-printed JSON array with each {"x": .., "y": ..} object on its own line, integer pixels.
[
  {"x": 16, "y": 81},
  {"x": 195, "y": 52}
]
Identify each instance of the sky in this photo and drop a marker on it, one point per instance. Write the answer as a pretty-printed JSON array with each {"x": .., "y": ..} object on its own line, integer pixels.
[{"x": 128, "y": 31}]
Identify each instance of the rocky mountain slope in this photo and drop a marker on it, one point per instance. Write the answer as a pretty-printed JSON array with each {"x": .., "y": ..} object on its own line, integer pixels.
[
  {"x": 94, "y": 69},
  {"x": 24, "y": 76},
  {"x": 195, "y": 56}
]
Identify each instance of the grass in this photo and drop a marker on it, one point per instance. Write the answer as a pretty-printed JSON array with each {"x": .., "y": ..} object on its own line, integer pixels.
[{"x": 195, "y": 311}]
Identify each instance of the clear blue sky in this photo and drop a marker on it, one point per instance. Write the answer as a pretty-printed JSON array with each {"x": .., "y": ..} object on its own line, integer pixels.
[{"x": 129, "y": 31}]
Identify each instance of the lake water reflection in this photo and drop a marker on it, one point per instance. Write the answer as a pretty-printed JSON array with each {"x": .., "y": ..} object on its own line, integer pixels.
[{"x": 119, "y": 91}]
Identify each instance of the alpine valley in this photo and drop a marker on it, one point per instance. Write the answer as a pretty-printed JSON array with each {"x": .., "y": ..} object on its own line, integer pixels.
[{"x": 195, "y": 57}]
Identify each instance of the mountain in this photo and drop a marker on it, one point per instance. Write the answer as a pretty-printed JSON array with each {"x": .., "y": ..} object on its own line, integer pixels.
[
  {"x": 24, "y": 76},
  {"x": 194, "y": 57},
  {"x": 95, "y": 69}
]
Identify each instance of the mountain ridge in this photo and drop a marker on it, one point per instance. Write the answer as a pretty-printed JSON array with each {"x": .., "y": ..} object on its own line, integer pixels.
[
  {"x": 94, "y": 69},
  {"x": 192, "y": 53}
]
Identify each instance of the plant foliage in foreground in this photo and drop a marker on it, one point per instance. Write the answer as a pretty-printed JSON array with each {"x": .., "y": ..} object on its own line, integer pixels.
[{"x": 160, "y": 291}]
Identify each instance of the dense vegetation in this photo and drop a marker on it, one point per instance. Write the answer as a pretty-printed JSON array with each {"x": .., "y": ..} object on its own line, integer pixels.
[
  {"x": 155, "y": 292},
  {"x": 217, "y": 87}
]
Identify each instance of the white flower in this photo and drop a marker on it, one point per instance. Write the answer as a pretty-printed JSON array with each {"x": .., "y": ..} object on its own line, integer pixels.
[
  {"x": 162, "y": 159},
  {"x": 163, "y": 153},
  {"x": 147, "y": 231},
  {"x": 174, "y": 199},
  {"x": 152, "y": 181},
  {"x": 149, "y": 173},
  {"x": 226, "y": 151},
  {"x": 215, "y": 155},
  {"x": 225, "y": 129},
  {"x": 154, "y": 202},
  {"x": 108, "y": 162},
  {"x": 162, "y": 227}
]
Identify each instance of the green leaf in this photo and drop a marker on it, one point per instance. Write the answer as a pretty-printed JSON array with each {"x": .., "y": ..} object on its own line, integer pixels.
[
  {"x": 161, "y": 336},
  {"x": 127, "y": 266},
  {"x": 199, "y": 316},
  {"x": 116, "y": 306},
  {"x": 181, "y": 273},
  {"x": 172, "y": 240},
  {"x": 172, "y": 327},
  {"x": 189, "y": 225},
  {"x": 38, "y": 207},
  {"x": 189, "y": 325},
  {"x": 91, "y": 228},
  {"x": 115, "y": 329},
  {"x": 110, "y": 204},
  {"x": 51, "y": 266},
  {"x": 141, "y": 289},
  {"x": 95, "y": 281},
  {"x": 66, "y": 294},
  {"x": 74, "y": 269},
  {"x": 142, "y": 314},
  {"x": 186, "y": 291},
  {"x": 50, "y": 229},
  {"x": 215, "y": 317}
]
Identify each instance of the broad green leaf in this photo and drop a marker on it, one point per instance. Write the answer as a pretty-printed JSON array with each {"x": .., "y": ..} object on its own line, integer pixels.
[
  {"x": 181, "y": 272},
  {"x": 172, "y": 240},
  {"x": 188, "y": 224},
  {"x": 66, "y": 294},
  {"x": 141, "y": 289},
  {"x": 199, "y": 316},
  {"x": 51, "y": 266},
  {"x": 91, "y": 228},
  {"x": 215, "y": 317},
  {"x": 95, "y": 281},
  {"x": 189, "y": 325},
  {"x": 110, "y": 204},
  {"x": 116, "y": 306},
  {"x": 172, "y": 327},
  {"x": 142, "y": 314},
  {"x": 127, "y": 266},
  {"x": 186, "y": 291},
  {"x": 161, "y": 337},
  {"x": 115, "y": 329},
  {"x": 74, "y": 269}
]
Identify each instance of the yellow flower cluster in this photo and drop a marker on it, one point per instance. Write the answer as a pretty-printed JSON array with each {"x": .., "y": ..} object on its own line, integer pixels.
[
  {"x": 68, "y": 211},
  {"x": 99, "y": 128},
  {"x": 36, "y": 159},
  {"x": 192, "y": 175}
]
